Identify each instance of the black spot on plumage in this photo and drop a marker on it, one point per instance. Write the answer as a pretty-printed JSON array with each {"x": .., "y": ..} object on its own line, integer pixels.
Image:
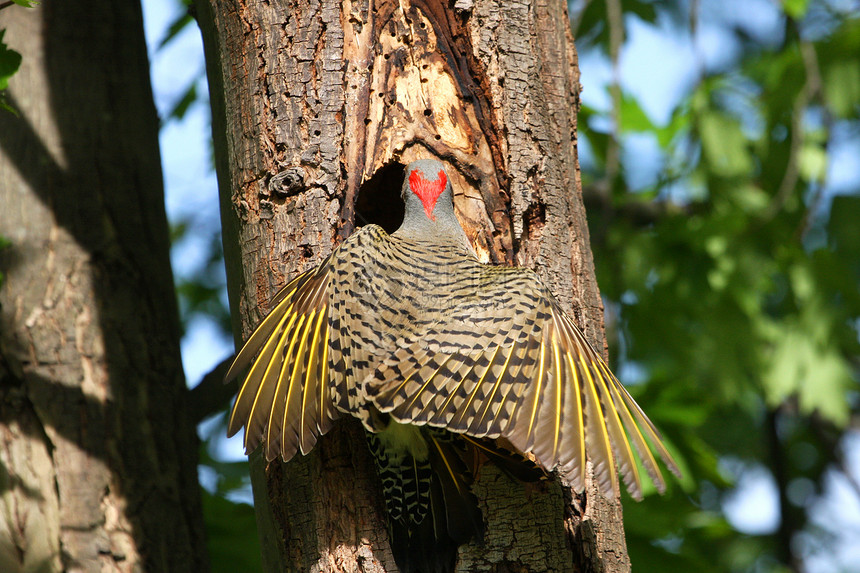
[{"x": 430, "y": 514}]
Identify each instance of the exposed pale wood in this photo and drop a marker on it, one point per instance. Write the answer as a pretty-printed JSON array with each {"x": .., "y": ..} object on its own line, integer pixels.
[
  {"x": 317, "y": 99},
  {"x": 98, "y": 465}
]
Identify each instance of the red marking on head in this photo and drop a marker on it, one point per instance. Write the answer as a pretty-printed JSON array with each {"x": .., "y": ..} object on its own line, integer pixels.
[{"x": 428, "y": 191}]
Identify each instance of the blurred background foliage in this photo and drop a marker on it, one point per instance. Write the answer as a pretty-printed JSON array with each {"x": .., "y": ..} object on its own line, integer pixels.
[
  {"x": 730, "y": 268},
  {"x": 724, "y": 206}
]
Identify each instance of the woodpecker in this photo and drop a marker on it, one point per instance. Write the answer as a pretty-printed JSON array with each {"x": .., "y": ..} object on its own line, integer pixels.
[{"x": 438, "y": 355}]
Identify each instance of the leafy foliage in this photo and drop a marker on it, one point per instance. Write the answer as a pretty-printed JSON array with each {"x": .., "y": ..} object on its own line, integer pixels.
[
  {"x": 231, "y": 529},
  {"x": 191, "y": 93},
  {"x": 734, "y": 278},
  {"x": 231, "y": 525},
  {"x": 10, "y": 61},
  {"x": 201, "y": 292}
]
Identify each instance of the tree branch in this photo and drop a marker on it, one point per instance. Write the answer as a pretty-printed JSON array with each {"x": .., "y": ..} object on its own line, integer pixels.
[
  {"x": 641, "y": 213},
  {"x": 788, "y": 525},
  {"x": 211, "y": 394}
]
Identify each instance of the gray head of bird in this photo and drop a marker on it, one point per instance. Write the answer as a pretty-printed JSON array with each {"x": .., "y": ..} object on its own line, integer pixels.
[{"x": 428, "y": 198}]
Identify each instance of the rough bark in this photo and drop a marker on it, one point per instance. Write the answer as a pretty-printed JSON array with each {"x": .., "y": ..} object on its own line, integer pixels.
[
  {"x": 318, "y": 104},
  {"x": 98, "y": 464}
]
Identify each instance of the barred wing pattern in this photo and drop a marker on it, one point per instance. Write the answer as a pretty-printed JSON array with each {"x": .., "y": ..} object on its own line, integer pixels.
[
  {"x": 301, "y": 355},
  {"x": 285, "y": 399},
  {"x": 422, "y": 331},
  {"x": 498, "y": 358}
]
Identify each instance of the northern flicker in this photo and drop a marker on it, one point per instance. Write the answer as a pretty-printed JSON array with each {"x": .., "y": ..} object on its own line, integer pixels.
[{"x": 436, "y": 353}]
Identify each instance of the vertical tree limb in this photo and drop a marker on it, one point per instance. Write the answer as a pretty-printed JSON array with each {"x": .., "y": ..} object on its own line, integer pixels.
[
  {"x": 98, "y": 463},
  {"x": 331, "y": 97}
]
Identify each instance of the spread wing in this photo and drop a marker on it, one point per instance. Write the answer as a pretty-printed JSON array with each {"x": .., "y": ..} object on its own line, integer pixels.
[
  {"x": 285, "y": 399},
  {"x": 497, "y": 365}
]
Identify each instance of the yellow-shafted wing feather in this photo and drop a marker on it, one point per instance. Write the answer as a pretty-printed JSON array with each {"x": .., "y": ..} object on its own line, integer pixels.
[
  {"x": 285, "y": 399},
  {"x": 528, "y": 375}
]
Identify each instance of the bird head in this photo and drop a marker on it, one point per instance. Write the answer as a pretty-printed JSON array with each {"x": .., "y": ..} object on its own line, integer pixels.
[
  {"x": 426, "y": 189},
  {"x": 429, "y": 205}
]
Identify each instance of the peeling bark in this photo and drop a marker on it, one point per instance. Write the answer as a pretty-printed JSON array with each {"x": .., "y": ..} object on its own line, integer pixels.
[
  {"x": 333, "y": 98},
  {"x": 98, "y": 464}
]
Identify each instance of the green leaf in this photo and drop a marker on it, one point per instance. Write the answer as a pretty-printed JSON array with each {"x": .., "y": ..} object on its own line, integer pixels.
[
  {"x": 839, "y": 58},
  {"x": 724, "y": 144},
  {"x": 678, "y": 124},
  {"x": 782, "y": 75},
  {"x": 802, "y": 282},
  {"x": 10, "y": 61},
  {"x": 26, "y": 3},
  {"x": 842, "y": 87},
  {"x": 842, "y": 227},
  {"x": 231, "y": 531},
  {"x": 594, "y": 26},
  {"x": 826, "y": 391},
  {"x": 805, "y": 362},
  {"x": 633, "y": 117},
  {"x": 181, "y": 108},
  {"x": 646, "y": 10},
  {"x": 750, "y": 199},
  {"x": 795, "y": 8},
  {"x": 175, "y": 28},
  {"x": 813, "y": 162}
]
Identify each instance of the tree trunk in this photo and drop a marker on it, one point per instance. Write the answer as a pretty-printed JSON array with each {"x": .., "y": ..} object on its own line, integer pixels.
[
  {"x": 98, "y": 463},
  {"x": 317, "y": 106}
]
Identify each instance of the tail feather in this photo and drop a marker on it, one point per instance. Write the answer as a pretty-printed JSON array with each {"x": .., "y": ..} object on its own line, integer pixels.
[
  {"x": 431, "y": 508},
  {"x": 430, "y": 504},
  {"x": 462, "y": 514},
  {"x": 513, "y": 464}
]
